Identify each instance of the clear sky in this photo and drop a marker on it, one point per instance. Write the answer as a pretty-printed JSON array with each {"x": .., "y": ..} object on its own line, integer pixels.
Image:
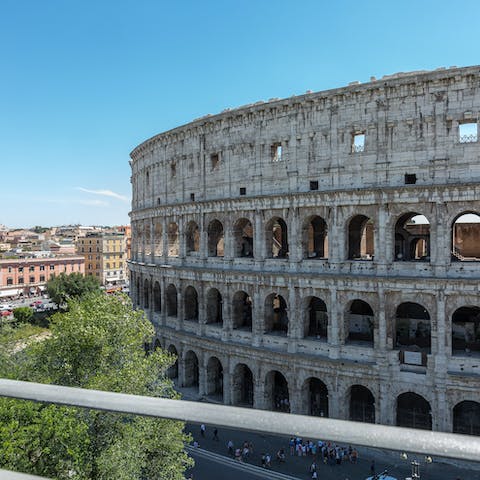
[{"x": 82, "y": 82}]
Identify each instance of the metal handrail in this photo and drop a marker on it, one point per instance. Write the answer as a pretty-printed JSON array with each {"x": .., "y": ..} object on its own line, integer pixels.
[{"x": 464, "y": 447}]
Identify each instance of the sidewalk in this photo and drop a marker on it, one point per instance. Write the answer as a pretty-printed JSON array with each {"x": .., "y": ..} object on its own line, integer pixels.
[{"x": 299, "y": 466}]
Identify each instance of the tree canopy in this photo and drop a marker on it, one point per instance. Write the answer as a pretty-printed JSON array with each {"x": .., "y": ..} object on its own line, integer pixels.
[
  {"x": 75, "y": 285},
  {"x": 98, "y": 343}
]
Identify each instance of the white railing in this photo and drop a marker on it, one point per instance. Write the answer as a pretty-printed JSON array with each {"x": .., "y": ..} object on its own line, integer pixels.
[{"x": 464, "y": 447}]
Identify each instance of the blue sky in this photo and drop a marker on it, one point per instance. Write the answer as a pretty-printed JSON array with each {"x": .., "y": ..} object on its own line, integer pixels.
[{"x": 84, "y": 81}]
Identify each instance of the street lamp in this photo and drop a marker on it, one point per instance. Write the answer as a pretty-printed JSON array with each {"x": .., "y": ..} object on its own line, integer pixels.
[{"x": 416, "y": 466}]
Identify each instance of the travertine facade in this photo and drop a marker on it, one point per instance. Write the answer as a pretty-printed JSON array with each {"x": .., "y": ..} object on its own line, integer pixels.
[{"x": 319, "y": 254}]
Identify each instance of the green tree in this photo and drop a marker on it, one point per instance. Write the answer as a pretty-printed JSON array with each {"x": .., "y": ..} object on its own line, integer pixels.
[
  {"x": 75, "y": 285},
  {"x": 23, "y": 314},
  {"x": 98, "y": 343}
]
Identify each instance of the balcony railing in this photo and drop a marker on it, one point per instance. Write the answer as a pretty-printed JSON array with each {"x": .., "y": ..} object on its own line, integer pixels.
[{"x": 380, "y": 436}]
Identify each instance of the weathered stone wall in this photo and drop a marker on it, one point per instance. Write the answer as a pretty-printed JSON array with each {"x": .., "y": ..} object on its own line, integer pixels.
[{"x": 193, "y": 177}]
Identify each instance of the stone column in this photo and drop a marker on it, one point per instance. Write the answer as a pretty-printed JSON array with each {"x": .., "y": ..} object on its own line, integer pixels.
[
  {"x": 163, "y": 305},
  {"x": 294, "y": 240},
  {"x": 382, "y": 242},
  {"x": 227, "y": 384},
  {"x": 152, "y": 241},
  {"x": 202, "y": 310},
  {"x": 293, "y": 320},
  {"x": 295, "y": 397},
  {"x": 259, "y": 391},
  {"x": 258, "y": 317},
  {"x": 202, "y": 375},
  {"x": 227, "y": 312},
  {"x": 164, "y": 239},
  {"x": 259, "y": 240},
  {"x": 334, "y": 326},
  {"x": 203, "y": 238},
  {"x": 182, "y": 237},
  {"x": 180, "y": 306},
  {"x": 381, "y": 339}
]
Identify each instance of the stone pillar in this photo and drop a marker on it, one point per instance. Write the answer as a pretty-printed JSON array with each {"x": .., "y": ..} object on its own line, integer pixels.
[
  {"x": 202, "y": 308},
  {"x": 294, "y": 240},
  {"x": 336, "y": 238},
  {"x": 293, "y": 320},
  {"x": 259, "y": 391},
  {"x": 227, "y": 312},
  {"x": 258, "y": 317},
  {"x": 381, "y": 240},
  {"x": 202, "y": 375},
  {"x": 165, "y": 239},
  {"x": 441, "y": 417},
  {"x": 384, "y": 413},
  {"x": 334, "y": 319},
  {"x": 295, "y": 396},
  {"x": 227, "y": 384},
  {"x": 259, "y": 240},
  {"x": 381, "y": 338},
  {"x": 180, "y": 306},
  {"x": 182, "y": 237},
  {"x": 152, "y": 241},
  {"x": 203, "y": 238}
]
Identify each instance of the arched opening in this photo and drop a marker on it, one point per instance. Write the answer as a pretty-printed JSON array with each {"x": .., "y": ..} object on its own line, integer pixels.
[
  {"x": 172, "y": 372},
  {"x": 215, "y": 378},
  {"x": 276, "y": 315},
  {"x": 412, "y": 238},
  {"x": 362, "y": 404},
  {"x": 191, "y": 370},
  {"x": 146, "y": 294},
  {"x": 215, "y": 239},
  {"x": 191, "y": 304},
  {"x": 413, "y": 411},
  {"x": 158, "y": 238},
  {"x": 276, "y": 236},
  {"x": 192, "y": 238},
  {"x": 242, "y": 393},
  {"x": 171, "y": 301},
  {"x": 466, "y": 418},
  {"x": 243, "y": 238},
  {"x": 361, "y": 238},
  {"x": 466, "y": 238},
  {"x": 412, "y": 328},
  {"x": 173, "y": 240},
  {"x": 466, "y": 331},
  {"x": 360, "y": 323},
  {"x": 242, "y": 311},
  {"x": 315, "y": 395},
  {"x": 157, "y": 298},
  {"x": 276, "y": 392},
  {"x": 214, "y": 307},
  {"x": 316, "y": 324},
  {"x": 315, "y": 235}
]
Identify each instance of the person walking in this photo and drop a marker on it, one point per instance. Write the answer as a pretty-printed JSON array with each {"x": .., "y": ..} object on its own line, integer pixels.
[
  {"x": 203, "y": 429},
  {"x": 215, "y": 434}
]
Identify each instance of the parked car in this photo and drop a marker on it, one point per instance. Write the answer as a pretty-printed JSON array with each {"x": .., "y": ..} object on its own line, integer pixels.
[
  {"x": 5, "y": 313},
  {"x": 36, "y": 303},
  {"x": 6, "y": 306}
]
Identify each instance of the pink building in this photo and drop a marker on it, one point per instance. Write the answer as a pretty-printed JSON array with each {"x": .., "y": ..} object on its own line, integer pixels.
[{"x": 28, "y": 276}]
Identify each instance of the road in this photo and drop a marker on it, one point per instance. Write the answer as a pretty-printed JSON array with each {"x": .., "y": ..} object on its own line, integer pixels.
[{"x": 299, "y": 466}]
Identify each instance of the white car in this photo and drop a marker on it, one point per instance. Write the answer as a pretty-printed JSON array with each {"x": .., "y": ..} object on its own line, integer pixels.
[{"x": 6, "y": 306}]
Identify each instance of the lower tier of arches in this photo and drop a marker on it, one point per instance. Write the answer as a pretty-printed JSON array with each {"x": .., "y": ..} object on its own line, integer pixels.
[{"x": 364, "y": 393}]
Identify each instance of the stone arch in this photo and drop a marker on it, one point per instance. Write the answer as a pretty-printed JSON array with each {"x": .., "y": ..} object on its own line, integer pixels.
[
  {"x": 192, "y": 238},
  {"x": 466, "y": 330},
  {"x": 157, "y": 297},
  {"x": 146, "y": 294},
  {"x": 412, "y": 237},
  {"x": 276, "y": 236},
  {"x": 413, "y": 411},
  {"x": 191, "y": 370},
  {"x": 242, "y": 311},
  {"x": 172, "y": 371},
  {"x": 243, "y": 238},
  {"x": 191, "y": 304},
  {"x": 276, "y": 392},
  {"x": 173, "y": 243},
  {"x": 214, "y": 307},
  {"x": 466, "y": 418},
  {"x": 214, "y": 378},
  {"x": 412, "y": 327},
  {"x": 315, "y": 238},
  {"x": 316, "y": 319},
  {"x": 171, "y": 300},
  {"x": 359, "y": 323},
  {"x": 216, "y": 239},
  {"x": 362, "y": 404},
  {"x": 361, "y": 245},
  {"x": 276, "y": 315},
  {"x": 243, "y": 386},
  {"x": 315, "y": 397},
  {"x": 465, "y": 235}
]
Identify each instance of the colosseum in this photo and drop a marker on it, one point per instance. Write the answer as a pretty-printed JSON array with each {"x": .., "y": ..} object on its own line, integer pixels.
[{"x": 320, "y": 254}]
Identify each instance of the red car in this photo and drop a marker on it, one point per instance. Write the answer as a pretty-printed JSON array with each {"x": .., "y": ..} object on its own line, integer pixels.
[{"x": 5, "y": 313}]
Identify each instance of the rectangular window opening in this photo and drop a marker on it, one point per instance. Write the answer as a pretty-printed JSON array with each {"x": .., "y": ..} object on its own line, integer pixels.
[
  {"x": 410, "y": 179},
  {"x": 214, "y": 160},
  {"x": 243, "y": 191},
  {"x": 358, "y": 142},
  {"x": 314, "y": 185},
  {"x": 276, "y": 152},
  {"x": 468, "y": 132},
  {"x": 192, "y": 197}
]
